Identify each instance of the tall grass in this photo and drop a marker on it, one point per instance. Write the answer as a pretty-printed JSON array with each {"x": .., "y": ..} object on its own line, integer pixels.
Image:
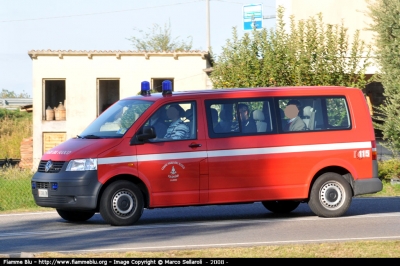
[
  {"x": 15, "y": 184},
  {"x": 14, "y": 127},
  {"x": 15, "y": 189}
]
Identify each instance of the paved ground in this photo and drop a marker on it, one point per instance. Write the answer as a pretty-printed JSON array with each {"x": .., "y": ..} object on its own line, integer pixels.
[{"x": 212, "y": 226}]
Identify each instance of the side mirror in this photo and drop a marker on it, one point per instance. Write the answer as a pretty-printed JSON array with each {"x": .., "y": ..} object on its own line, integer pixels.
[{"x": 146, "y": 133}]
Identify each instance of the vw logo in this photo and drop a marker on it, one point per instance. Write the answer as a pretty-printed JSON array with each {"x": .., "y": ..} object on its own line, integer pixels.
[{"x": 48, "y": 166}]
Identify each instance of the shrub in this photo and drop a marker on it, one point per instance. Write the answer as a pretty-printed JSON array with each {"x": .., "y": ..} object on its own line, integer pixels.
[
  {"x": 13, "y": 114},
  {"x": 389, "y": 169},
  {"x": 386, "y": 24},
  {"x": 309, "y": 53},
  {"x": 14, "y": 127}
]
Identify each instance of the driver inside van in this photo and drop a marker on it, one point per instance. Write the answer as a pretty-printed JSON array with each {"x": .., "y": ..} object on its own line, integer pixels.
[{"x": 177, "y": 129}]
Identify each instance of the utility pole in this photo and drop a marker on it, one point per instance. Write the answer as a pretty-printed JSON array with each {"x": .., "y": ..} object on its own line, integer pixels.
[{"x": 208, "y": 25}]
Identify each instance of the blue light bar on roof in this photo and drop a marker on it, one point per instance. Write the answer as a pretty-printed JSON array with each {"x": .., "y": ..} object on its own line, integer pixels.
[
  {"x": 166, "y": 87},
  {"x": 145, "y": 88}
]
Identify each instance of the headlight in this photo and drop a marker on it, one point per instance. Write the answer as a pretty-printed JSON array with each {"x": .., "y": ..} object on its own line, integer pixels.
[{"x": 82, "y": 165}]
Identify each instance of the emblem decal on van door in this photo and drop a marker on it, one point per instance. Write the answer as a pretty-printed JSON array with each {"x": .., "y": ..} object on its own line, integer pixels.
[{"x": 173, "y": 173}]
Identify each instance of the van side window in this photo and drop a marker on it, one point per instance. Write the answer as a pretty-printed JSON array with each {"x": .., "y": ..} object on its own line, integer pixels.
[
  {"x": 239, "y": 117},
  {"x": 313, "y": 113},
  {"x": 174, "y": 121},
  {"x": 337, "y": 113}
]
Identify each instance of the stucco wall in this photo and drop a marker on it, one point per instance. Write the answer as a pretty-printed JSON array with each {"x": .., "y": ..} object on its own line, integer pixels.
[
  {"x": 353, "y": 13},
  {"x": 81, "y": 72}
]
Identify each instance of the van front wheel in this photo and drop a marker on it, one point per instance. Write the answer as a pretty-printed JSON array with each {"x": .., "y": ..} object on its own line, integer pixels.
[
  {"x": 281, "y": 206},
  {"x": 330, "y": 195},
  {"x": 121, "y": 203}
]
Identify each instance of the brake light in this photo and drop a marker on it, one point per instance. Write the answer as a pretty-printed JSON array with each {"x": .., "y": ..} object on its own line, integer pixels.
[{"x": 374, "y": 152}]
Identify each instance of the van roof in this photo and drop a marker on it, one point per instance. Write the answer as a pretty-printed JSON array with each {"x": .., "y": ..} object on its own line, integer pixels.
[{"x": 277, "y": 91}]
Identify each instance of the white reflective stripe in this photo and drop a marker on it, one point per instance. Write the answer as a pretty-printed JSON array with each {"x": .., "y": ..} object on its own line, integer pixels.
[
  {"x": 236, "y": 152},
  {"x": 172, "y": 156},
  {"x": 290, "y": 149},
  {"x": 121, "y": 159}
]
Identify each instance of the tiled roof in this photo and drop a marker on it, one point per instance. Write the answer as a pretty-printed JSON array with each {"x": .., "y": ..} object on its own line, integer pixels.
[{"x": 118, "y": 53}]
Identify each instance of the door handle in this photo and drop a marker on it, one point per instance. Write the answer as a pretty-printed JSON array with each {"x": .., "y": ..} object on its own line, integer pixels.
[{"x": 194, "y": 145}]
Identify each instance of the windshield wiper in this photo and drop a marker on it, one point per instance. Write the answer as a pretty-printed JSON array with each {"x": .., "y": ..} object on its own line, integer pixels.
[{"x": 91, "y": 137}]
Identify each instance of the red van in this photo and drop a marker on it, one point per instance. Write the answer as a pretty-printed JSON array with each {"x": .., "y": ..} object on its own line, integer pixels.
[{"x": 279, "y": 146}]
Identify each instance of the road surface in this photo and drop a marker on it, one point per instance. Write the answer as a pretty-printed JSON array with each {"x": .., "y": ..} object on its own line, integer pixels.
[{"x": 200, "y": 227}]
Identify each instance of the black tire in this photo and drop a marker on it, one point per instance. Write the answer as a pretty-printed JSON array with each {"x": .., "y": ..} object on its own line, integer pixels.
[
  {"x": 330, "y": 195},
  {"x": 75, "y": 216},
  {"x": 281, "y": 206},
  {"x": 121, "y": 203}
]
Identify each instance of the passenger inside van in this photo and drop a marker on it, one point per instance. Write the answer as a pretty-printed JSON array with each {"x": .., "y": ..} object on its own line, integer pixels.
[
  {"x": 177, "y": 129},
  {"x": 225, "y": 123},
  {"x": 294, "y": 123},
  {"x": 248, "y": 125}
]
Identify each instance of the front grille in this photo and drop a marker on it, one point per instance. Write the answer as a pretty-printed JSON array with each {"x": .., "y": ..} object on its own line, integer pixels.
[
  {"x": 42, "y": 185},
  {"x": 57, "y": 166}
]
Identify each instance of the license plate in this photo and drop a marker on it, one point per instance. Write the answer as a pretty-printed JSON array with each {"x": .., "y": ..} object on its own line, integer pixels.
[{"x": 43, "y": 193}]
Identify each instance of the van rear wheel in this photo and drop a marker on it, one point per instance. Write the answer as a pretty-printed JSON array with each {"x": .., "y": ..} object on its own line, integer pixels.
[
  {"x": 281, "y": 206},
  {"x": 330, "y": 195},
  {"x": 75, "y": 216},
  {"x": 121, "y": 203}
]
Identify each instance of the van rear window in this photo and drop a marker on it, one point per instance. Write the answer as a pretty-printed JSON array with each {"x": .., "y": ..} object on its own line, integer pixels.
[
  {"x": 313, "y": 113},
  {"x": 235, "y": 117}
]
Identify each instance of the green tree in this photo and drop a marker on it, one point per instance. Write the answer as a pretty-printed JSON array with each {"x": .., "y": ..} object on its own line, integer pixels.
[
  {"x": 159, "y": 39},
  {"x": 310, "y": 53},
  {"x": 385, "y": 16},
  {"x": 11, "y": 94}
]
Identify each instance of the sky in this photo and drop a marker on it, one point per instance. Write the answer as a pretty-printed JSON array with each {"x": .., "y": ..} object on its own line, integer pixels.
[{"x": 106, "y": 25}]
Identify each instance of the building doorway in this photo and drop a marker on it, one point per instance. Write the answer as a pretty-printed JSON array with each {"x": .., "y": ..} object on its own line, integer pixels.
[{"x": 107, "y": 93}]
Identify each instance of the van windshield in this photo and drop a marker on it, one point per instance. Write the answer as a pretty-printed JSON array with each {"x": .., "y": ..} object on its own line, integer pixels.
[{"x": 116, "y": 120}]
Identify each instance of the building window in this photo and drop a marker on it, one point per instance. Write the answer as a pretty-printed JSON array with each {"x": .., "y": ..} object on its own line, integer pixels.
[
  {"x": 54, "y": 94},
  {"x": 156, "y": 83},
  {"x": 107, "y": 93}
]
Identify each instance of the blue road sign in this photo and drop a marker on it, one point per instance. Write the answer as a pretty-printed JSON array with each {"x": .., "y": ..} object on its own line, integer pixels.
[{"x": 252, "y": 16}]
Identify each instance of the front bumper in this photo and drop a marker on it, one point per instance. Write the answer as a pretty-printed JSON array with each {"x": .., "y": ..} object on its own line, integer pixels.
[{"x": 74, "y": 190}]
